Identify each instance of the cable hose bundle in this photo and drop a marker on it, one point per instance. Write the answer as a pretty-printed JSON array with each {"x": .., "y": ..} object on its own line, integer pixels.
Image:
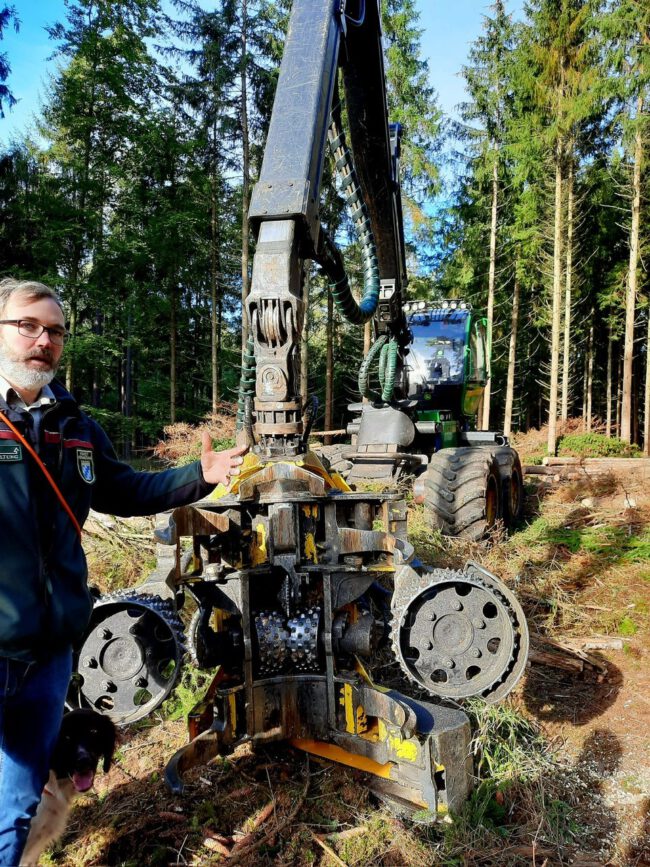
[
  {"x": 388, "y": 369},
  {"x": 332, "y": 261},
  {"x": 364, "y": 370}
]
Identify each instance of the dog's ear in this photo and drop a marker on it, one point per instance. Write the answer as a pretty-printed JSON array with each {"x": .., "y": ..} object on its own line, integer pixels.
[{"x": 108, "y": 739}]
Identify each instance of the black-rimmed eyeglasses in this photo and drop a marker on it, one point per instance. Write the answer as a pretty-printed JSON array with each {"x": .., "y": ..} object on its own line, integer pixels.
[{"x": 33, "y": 330}]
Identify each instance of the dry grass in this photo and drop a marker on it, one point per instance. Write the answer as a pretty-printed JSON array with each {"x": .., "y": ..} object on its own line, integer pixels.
[{"x": 182, "y": 441}]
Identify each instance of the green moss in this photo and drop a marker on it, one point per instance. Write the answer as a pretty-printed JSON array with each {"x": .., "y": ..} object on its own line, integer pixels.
[
  {"x": 595, "y": 445},
  {"x": 627, "y": 626}
]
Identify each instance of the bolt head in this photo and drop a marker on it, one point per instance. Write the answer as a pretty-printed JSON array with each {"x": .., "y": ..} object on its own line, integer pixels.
[
  {"x": 90, "y": 662},
  {"x": 141, "y": 682},
  {"x": 475, "y": 652},
  {"x": 477, "y": 623},
  {"x": 448, "y": 662},
  {"x": 456, "y": 605},
  {"x": 104, "y": 633},
  {"x": 108, "y": 686}
]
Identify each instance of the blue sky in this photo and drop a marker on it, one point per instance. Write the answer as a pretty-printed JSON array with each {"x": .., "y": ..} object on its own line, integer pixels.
[{"x": 449, "y": 26}]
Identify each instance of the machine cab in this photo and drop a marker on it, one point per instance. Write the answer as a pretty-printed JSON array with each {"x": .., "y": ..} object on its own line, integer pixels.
[{"x": 447, "y": 363}]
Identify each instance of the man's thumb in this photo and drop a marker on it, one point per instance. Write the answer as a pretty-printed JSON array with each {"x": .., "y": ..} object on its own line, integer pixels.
[{"x": 206, "y": 442}]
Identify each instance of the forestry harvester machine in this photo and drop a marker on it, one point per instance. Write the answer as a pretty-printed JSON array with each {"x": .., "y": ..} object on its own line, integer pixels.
[{"x": 298, "y": 579}]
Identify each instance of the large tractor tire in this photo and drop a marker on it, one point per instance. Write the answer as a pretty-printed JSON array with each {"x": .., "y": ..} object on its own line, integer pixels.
[
  {"x": 462, "y": 490},
  {"x": 512, "y": 484}
]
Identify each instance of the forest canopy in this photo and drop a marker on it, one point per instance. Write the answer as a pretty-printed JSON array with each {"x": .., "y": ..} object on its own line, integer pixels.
[{"x": 131, "y": 201}]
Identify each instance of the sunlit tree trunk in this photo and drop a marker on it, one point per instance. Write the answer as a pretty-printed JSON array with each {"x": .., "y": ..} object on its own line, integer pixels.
[
  {"x": 245, "y": 197},
  {"x": 610, "y": 348},
  {"x": 566, "y": 362},
  {"x": 172, "y": 355},
  {"x": 214, "y": 287},
  {"x": 557, "y": 296},
  {"x": 491, "y": 281},
  {"x": 590, "y": 372},
  {"x": 646, "y": 396},
  {"x": 512, "y": 355},
  {"x": 630, "y": 299}
]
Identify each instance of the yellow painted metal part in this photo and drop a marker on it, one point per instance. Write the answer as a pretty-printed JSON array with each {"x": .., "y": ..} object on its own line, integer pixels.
[
  {"x": 311, "y": 552},
  {"x": 232, "y": 711},
  {"x": 337, "y": 754},
  {"x": 252, "y": 464},
  {"x": 406, "y": 750},
  {"x": 259, "y": 553},
  {"x": 348, "y": 705}
]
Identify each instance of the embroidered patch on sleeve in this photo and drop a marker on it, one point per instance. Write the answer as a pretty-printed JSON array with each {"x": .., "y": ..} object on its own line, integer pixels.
[
  {"x": 10, "y": 452},
  {"x": 86, "y": 465}
]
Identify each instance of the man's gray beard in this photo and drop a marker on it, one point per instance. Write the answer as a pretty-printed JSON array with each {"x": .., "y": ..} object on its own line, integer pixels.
[{"x": 19, "y": 374}]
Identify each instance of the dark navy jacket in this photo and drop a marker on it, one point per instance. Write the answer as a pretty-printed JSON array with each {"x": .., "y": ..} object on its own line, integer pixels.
[{"x": 44, "y": 599}]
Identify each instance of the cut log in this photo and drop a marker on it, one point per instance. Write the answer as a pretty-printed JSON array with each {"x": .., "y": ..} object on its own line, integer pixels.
[{"x": 544, "y": 651}]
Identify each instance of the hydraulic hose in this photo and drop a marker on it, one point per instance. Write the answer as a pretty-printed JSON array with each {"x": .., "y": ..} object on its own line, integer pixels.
[
  {"x": 330, "y": 257},
  {"x": 389, "y": 353},
  {"x": 364, "y": 370},
  {"x": 246, "y": 382}
]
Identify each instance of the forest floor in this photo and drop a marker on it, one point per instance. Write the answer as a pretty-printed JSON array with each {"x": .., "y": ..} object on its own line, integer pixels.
[{"x": 564, "y": 776}]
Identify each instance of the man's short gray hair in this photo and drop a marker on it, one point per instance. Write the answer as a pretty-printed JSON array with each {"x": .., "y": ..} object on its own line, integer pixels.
[{"x": 25, "y": 289}]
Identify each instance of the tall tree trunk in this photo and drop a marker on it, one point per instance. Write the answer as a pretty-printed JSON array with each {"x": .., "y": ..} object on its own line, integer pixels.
[
  {"x": 646, "y": 396},
  {"x": 512, "y": 356},
  {"x": 610, "y": 352},
  {"x": 566, "y": 370},
  {"x": 172, "y": 355},
  {"x": 619, "y": 396},
  {"x": 127, "y": 387},
  {"x": 214, "y": 288},
  {"x": 630, "y": 299},
  {"x": 245, "y": 194},
  {"x": 72, "y": 326},
  {"x": 557, "y": 295},
  {"x": 585, "y": 379},
  {"x": 491, "y": 281},
  {"x": 590, "y": 371},
  {"x": 329, "y": 369}
]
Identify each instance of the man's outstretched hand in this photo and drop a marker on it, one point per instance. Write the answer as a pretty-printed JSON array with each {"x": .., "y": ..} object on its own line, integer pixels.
[{"x": 219, "y": 467}]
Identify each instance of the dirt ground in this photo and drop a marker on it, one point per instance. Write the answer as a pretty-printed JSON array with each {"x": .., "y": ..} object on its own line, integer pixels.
[{"x": 580, "y": 563}]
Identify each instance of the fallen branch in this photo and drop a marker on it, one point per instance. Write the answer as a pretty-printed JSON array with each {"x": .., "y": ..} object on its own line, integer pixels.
[
  {"x": 244, "y": 852},
  {"x": 328, "y": 849}
]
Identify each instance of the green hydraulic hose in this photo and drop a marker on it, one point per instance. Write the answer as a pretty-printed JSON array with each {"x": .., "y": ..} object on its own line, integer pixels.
[
  {"x": 389, "y": 353},
  {"x": 364, "y": 370}
]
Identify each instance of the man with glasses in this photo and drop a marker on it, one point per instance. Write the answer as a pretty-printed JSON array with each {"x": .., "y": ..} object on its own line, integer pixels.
[{"x": 44, "y": 600}]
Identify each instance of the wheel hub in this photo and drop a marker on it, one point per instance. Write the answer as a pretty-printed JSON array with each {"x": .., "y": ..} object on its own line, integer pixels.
[
  {"x": 463, "y": 635},
  {"x": 131, "y": 657}
]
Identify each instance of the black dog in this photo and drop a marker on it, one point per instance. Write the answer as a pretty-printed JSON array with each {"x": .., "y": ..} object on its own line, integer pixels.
[{"x": 84, "y": 738}]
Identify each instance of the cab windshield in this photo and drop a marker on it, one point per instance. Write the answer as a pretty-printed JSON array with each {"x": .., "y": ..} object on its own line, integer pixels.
[{"x": 437, "y": 354}]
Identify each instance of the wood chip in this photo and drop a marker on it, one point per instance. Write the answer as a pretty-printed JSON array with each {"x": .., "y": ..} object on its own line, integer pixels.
[{"x": 216, "y": 846}]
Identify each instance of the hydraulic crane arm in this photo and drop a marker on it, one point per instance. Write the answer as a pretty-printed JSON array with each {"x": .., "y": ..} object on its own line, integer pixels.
[{"x": 323, "y": 37}]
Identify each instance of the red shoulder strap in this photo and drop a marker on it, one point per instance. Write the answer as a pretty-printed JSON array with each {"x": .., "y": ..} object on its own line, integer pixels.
[{"x": 45, "y": 472}]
